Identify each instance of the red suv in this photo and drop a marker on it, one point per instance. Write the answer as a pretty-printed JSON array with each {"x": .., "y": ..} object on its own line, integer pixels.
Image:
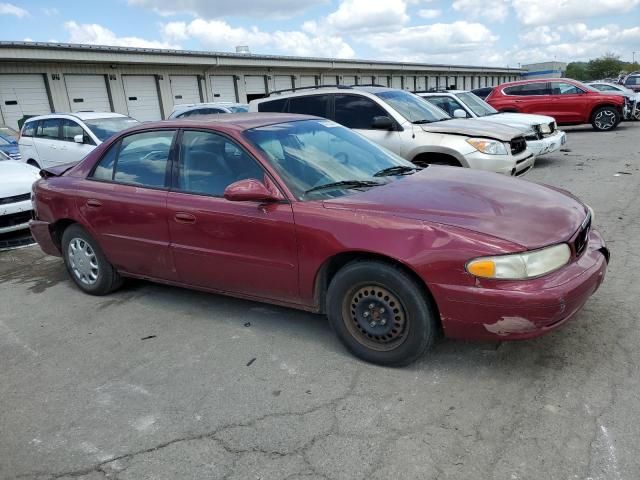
[{"x": 568, "y": 101}]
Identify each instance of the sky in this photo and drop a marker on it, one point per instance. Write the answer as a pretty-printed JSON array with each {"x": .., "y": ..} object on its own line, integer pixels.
[{"x": 466, "y": 32}]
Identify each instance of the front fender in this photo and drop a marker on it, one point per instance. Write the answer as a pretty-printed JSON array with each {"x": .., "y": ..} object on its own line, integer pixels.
[{"x": 425, "y": 150}]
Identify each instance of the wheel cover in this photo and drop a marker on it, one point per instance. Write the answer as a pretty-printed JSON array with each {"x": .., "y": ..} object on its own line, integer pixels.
[
  {"x": 83, "y": 261},
  {"x": 605, "y": 120},
  {"x": 375, "y": 317}
]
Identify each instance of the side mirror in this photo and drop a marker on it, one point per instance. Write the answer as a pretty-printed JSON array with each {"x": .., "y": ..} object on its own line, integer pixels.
[
  {"x": 459, "y": 113},
  {"x": 382, "y": 122},
  {"x": 78, "y": 138},
  {"x": 249, "y": 190}
]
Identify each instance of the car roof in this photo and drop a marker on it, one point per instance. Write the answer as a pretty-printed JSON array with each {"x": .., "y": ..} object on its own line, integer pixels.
[
  {"x": 319, "y": 89},
  {"x": 232, "y": 121},
  {"x": 79, "y": 115},
  {"x": 441, "y": 92}
]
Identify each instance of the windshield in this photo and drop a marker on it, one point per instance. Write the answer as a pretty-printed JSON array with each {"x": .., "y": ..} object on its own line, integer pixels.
[
  {"x": 103, "y": 128},
  {"x": 238, "y": 108},
  {"x": 4, "y": 141},
  {"x": 476, "y": 104},
  {"x": 412, "y": 107},
  {"x": 311, "y": 153}
]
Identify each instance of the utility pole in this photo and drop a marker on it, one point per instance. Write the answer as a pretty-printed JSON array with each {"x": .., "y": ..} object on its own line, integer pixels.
[{"x": 634, "y": 57}]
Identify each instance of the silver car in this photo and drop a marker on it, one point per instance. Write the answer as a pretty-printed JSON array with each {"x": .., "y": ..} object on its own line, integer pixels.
[
  {"x": 195, "y": 109},
  {"x": 410, "y": 127},
  {"x": 631, "y": 110}
]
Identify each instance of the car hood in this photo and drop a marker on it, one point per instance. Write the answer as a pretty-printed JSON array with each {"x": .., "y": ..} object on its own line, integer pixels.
[
  {"x": 523, "y": 120},
  {"x": 518, "y": 211},
  {"x": 473, "y": 127},
  {"x": 17, "y": 178}
]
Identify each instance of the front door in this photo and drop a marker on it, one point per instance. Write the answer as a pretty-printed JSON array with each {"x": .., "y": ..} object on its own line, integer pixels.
[
  {"x": 125, "y": 204},
  {"x": 73, "y": 151},
  {"x": 568, "y": 106},
  {"x": 247, "y": 248}
]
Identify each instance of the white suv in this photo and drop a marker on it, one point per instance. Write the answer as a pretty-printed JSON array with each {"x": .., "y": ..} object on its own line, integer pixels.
[
  {"x": 196, "y": 109},
  {"x": 59, "y": 138},
  {"x": 541, "y": 131},
  {"x": 410, "y": 127}
]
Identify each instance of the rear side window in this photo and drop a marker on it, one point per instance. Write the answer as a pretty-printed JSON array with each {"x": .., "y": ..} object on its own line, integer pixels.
[
  {"x": 273, "y": 106},
  {"x": 48, "y": 128},
  {"x": 29, "y": 129},
  {"x": 528, "y": 89},
  {"x": 138, "y": 159},
  {"x": 317, "y": 105},
  {"x": 355, "y": 111}
]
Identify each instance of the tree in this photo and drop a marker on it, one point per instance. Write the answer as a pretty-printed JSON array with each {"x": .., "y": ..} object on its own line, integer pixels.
[
  {"x": 609, "y": 65},
  {"x": 577, "y": 71}
]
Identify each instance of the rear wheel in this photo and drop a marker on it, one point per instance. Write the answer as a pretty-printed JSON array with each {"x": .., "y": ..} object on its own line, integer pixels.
[
  {"x": 86, "y": 264},
  {"x": 380, "y": 313},
  {"x": 605, "y": 119}
]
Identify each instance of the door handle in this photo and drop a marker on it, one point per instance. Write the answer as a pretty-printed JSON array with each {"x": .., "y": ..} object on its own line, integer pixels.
[
  {"x": 182, "y": 217},
  {"x": 94, "y": 203}
]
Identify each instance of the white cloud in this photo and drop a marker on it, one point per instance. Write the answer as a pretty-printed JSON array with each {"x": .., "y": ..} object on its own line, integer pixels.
[
  {"x": 222, "y": 8},
  {"x": 368, "y": 15},
  {"x": 49, "y": 12},
  {"x": 429, "y": 13},
  {"x": 95, "y": 34},
  {"x": 541, "y": 12},
  {"x": 219, "y": 35},
  {"x": 11, "y": 9},
  {"x": 496, "y": 10},
  {"x": 542, "y": 35}
]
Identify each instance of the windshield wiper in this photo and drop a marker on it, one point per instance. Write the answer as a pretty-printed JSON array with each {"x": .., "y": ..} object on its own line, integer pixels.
[
  {"x": 396, "y": 170},
  {"x": 345, "y": 184},
  {"x": 424, "y": 120}
]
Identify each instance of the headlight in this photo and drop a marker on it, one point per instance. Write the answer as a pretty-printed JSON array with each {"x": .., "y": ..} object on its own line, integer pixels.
[
  {"x": 490, "y": 147},
  {"x": 545, "y": 128},
  {"x": 521, "y": 265}
]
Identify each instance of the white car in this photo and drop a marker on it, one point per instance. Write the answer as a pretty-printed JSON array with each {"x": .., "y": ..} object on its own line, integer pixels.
[
  {"x": 59, "y": 138},
  {"x": 16, "y": 180},
  {"x": 409, "y": 127},
  {"x": 542, "y": 133},
  {"x": 195, "y": 109},
  {"x": 631, "y": 109}
]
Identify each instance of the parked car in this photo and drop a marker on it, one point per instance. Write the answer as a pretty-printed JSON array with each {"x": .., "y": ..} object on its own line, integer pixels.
[
  {"x": 16, "y": 179},
  {"x": 195, "y": 109},
  {"x": 541, "y": 133},
  {"x": 631, "y": 109},
  {"x": 483, "y": 92},
  {"x": 568, "y": 101},
  {"x": 60, "y": 138},
  {"x": 410, "y": 127},
  {"x": 302, "y": 212},
  {"x": 632, "y": 81},
  {"x": 9, "y": 147}
]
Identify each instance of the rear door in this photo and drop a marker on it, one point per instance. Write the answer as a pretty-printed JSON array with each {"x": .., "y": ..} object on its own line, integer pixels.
[
  {"x": 246, "y": 248},
  {"x": 528, "y": 98},
  {"x": 48, "y": 143},
  {"x": 567, "y": 102},
  {"x": 125, "y": 204},
  {"x": 357, "y": 112}
]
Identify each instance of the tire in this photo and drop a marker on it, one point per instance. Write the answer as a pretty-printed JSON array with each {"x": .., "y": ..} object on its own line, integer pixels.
[
  {"x": 605, "y": 119},
  {"x": 88, "y": 267},
  {"x": 364, "y": 293}
]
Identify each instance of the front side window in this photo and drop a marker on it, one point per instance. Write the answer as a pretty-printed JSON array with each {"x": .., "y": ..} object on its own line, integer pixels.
[
  {"x": 209, "y": 163},
  {"x": 447, "y": 104},
  {"x": 70, "y": 129},
  {"x": 562, "y": 88},
  {"x": 29, "y": 129},
  {"x": 527, "y": 89},
  {"x": 632, "y": 81},
  {"x": 49, "y": 128},
  {"x": 412, "y": 107},
  {"x": 103, "y": 128},
  {"x": 311, "y": 154},
  {"x": 317, "y": 105},
  {"x": 138, "y": 159},
  {"x": 356, "y": 111}
]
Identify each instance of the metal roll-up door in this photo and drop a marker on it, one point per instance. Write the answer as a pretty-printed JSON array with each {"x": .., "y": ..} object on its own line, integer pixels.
[
  {"x": 410, "y": 83},
  {"x": 432, "y": 82},
  {"x": 22, "y": 95},
  {"x": 382, "y": 80},
  {"x": 307, "y": 80},
  {"x": 421, "y": 83},
  {"x": 282, "y": 82},
  {"x": 87, "y": 92},
  {"x": 254, "y": 84},
  {"x": 185, "y": 89},
  {"x": 348, "y": 80},
  {"x": 141, "y": 95},
  {"x": 330, "y": 80},
  {"x": 223, "y": 88},
  {"x": 396, "y": 82}
]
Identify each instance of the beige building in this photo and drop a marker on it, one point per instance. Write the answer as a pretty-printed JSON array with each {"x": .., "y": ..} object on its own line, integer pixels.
[{"x": 38, "y": 78}]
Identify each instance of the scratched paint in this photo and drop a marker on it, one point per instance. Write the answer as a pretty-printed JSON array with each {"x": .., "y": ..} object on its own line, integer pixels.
[{"x": 507, "y": 325}]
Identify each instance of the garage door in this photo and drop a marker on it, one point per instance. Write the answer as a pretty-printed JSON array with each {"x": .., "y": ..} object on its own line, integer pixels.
[
  {"x": 396, "y": 82},
  {"x": 421, "y": 83},
  {"x": 223, "y": 88},
  {"x": 87, "y": 92},
  {"x": 382, "y": 80},
  {"x": 254, "y": 84},
  {"x": 184, "y": 89},
  {"x": 349, "y": 80},
  {"x": 22, "y": 95},
  {"x": 307, "y": 81},
  {"x": 410, "y": 83},
  {"x": 329, "y": 80},
  {"x": 141, "y": 93},
  {"x": 282, "y": 82}
]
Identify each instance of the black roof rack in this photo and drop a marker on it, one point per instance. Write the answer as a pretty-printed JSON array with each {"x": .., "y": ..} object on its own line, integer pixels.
[
  {"x": 371, "y": 85},
  {"x": 295, "y": 89}
]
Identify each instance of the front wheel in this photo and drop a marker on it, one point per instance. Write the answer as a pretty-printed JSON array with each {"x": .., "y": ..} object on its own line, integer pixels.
[
  {"x": 380, "y": 313},
  {"x": 86, "y": 264},
  {"x": 605, "y": 119}
]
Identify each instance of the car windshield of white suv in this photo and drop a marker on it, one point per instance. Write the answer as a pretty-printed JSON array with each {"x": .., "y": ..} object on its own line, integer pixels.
[
  {"x": 104, "y": 128},
  {"x": 322, "y": 159},
  {"x": 412, "y": 107},
  {"x": 476, "y": 104}
]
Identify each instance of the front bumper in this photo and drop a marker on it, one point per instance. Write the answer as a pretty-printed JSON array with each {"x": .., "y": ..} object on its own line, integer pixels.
[
  {"x": 504, "y": 164},
  {"x": 15, "y": 216},
  {"x": 519, "y": 310},
  {"x": 41, "y": 232},
  {"x": 549, "y": 144}
]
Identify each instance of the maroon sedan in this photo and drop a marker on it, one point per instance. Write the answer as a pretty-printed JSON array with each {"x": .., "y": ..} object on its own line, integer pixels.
[{"x": 302, "y": 212}]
